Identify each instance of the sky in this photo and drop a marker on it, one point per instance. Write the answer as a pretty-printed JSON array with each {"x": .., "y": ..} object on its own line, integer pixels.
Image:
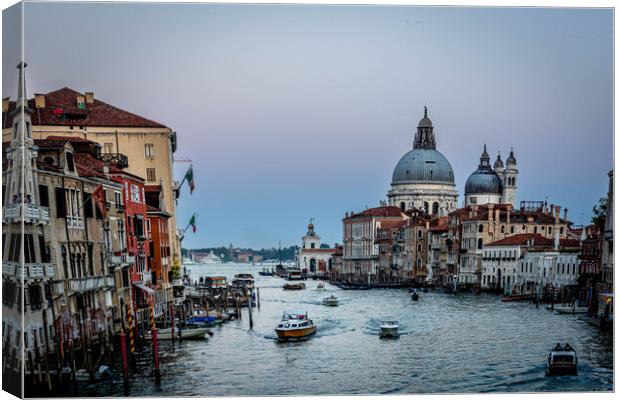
[{"x": 292, "y": 112}]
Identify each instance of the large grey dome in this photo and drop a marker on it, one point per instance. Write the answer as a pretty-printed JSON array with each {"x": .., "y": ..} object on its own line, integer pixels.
[
  {"x": 483, "y": 181},
  {"x": 423, "y": 165}
]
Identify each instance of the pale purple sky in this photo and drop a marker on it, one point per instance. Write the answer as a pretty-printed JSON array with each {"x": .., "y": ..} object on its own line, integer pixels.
[{"x": 292, "y": 112}]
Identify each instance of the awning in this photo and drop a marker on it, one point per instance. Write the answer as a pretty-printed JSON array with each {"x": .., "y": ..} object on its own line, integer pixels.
[{"x": 144, "y": 287}]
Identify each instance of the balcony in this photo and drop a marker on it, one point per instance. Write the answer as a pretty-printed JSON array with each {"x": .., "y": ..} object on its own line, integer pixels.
[
  {"x": 117, "y": 159},
  {"x": 91, "y": 283},
  {"x": 31, "y": 271},
  {"x": 75, "y": 223},
  {"x": 30, "y": 213}
]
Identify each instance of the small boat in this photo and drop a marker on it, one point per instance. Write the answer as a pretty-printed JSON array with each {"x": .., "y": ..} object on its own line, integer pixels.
[
  {"x": 199, "y": 333},
  {"x": 100, "y": 374},
  {"x": 295, "y": 275},
  {"x": 243, "y": 281},
  {"x": 294, "y": 286},
  {"x": 562, "y": 360},
  {"x": 414, "y": 296},
  {"x": 320, "y": 286},
  {"x": 571, "y": 310},
  {"x": 331, "y": 301},
  {"x": 516, "y": 297},
  {"x": 295, "y": 325},
  {"x": 265, "y": 272},
  {"x": 388, "y": 329},
  {"x": 424, "y": 290}
]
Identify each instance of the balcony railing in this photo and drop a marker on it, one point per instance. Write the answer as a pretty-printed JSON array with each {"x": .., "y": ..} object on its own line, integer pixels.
[
  {"x": 91, "y": 282},
  {"x": 31, "y": 270},
  {"x": 117, "y": 159},
  {"x": 30, "y": 213}
]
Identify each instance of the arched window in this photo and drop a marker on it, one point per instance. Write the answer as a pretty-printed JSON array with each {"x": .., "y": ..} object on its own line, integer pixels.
[
  {"x": 512, "y": 229},
  {"x": 480, "y": 243},
  {"x": 419, "y": 247},
  {"x": 536, "y": 229},
  {"x": 503, "y": 228}
]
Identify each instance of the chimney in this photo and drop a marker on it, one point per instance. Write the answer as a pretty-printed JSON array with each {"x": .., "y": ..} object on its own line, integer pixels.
[
  {"x": 90, "y": 97},
  {"x": 39, "y": 100},
  {"x": 508, "y": 210},
  {"x": 566, "y": 214},
  {"x": 5, "y": 104},
  {"x": 491, "y": 206},
  {"x": 557, "y": 214},
  {"x": 81, "y": 104}
]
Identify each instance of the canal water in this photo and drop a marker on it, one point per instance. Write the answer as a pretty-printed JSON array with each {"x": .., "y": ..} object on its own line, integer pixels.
[{"x": 449, "y": 343}]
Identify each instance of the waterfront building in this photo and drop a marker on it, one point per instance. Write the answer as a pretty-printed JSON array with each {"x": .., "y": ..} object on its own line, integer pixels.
[
  {"x": 311, "y": 258},
  {"x": 549, "y": 269},
  {"x": 503, "y": 269},
  {"x": 413, "y": 240},
  {"x": 360, "y": 252},
  {"x": 482, "y": 224},
  {"x": 439, "y": 243},
  {"x": 423, "y": 178},
  {"x": 497, "y": 185},
  {"x": 79, "y": 237},
  {"x": 122, "y": 135},
  {"x": 607, "y": 256},
  {"x": 159, "y": 247},
  {"x": 392, "y": 253}
]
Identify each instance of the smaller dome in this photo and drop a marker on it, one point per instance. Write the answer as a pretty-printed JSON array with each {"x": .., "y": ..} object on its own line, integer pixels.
[
  {"x": 511, "y": 160},
  {"x": 483, "y": 181},
  {"x": 498, "y": 163}
]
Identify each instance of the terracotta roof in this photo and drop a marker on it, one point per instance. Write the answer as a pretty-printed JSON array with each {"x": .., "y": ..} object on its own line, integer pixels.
[
  {"x": 318, "y": 250},
  {"x": 61, "y": 109},
  {"x": 392, "y": 224},
  {"x": 439, "y": 225},
  {"x": 87, "y": 165},
  {"x": 522, "y": 239},
  {"x": 383, "y": 211}
]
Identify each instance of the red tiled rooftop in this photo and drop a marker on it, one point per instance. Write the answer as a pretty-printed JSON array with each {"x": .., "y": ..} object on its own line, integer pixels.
[
  {"x": 383, "y": 211},
  {"x": 61, "y": 109}
]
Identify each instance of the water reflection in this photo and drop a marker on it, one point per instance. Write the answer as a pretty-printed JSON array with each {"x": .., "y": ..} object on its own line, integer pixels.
[{"x": 449, "y": 343}]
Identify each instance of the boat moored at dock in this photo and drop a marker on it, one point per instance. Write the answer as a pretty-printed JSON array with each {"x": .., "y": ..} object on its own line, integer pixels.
[{"x": 294, "y": 286}]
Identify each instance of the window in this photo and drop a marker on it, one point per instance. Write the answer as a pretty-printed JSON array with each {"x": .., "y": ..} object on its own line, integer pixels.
[
  {"x": 29, "y": 255},
  {"x": 44, "y": 199},
  {"x": 149, "y": 150},
  {"x": 480, "y": 228},
  {"x": 70, "y": 163},
  {"x": 44, "y": 250},
  {"x": 118, "y": 199},
  {"x": 88, "y": 206},
  {"x": 150, "y": 175},
  {"x": 15, "y": 247},
  {"x": 61, "y": 207},
  {"x": 108, "y": 147}
]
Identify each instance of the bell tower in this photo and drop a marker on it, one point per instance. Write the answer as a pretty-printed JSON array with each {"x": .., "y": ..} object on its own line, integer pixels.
[{"x": 509, "y": 195}]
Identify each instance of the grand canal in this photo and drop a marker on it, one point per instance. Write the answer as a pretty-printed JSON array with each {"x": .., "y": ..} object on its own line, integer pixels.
[{"x": 450, "y": 343}]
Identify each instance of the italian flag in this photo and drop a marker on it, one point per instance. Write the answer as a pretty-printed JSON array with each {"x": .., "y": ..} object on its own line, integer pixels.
[
  {"x": 189, "y": 176},
  {"x": 192, "y": 222}
]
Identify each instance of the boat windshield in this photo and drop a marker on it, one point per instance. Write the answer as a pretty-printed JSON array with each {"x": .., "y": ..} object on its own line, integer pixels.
[{"x": 563, "y": 358}]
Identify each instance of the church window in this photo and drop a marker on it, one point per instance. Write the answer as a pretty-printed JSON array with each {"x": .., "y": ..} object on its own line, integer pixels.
[{"x": 312, "y": 245}]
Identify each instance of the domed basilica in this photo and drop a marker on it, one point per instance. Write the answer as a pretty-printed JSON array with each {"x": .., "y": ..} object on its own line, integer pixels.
[
  {"x": 497, "y": 185},
  {"x": 423, "y": 178}
]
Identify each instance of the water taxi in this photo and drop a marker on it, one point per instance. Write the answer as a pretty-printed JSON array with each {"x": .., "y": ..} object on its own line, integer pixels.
[
  {"x": 199, "y": 333},
  {"x": 562, "y": 360},
  {"x": 331, "y": 301},
  {"x": 320, "y": 286},
  {"x": 243, "y": 280},
  {"x": 294, "y": 286},
  {"x": 295, "y": 325},
  {"x": 388, "y": 329}
]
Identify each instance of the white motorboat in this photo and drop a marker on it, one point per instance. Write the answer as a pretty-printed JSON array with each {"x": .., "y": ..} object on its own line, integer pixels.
[
  {"x": 571, "y": 310},
  {"x": 389, "y": 328},
  {"x": 210, "y": 258},
  {"x": 183, "y": 333},
  {"x": 562, "y": 360},
  {"x": 320, "y": 286},
  {"x": 331, "y": 301}
]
